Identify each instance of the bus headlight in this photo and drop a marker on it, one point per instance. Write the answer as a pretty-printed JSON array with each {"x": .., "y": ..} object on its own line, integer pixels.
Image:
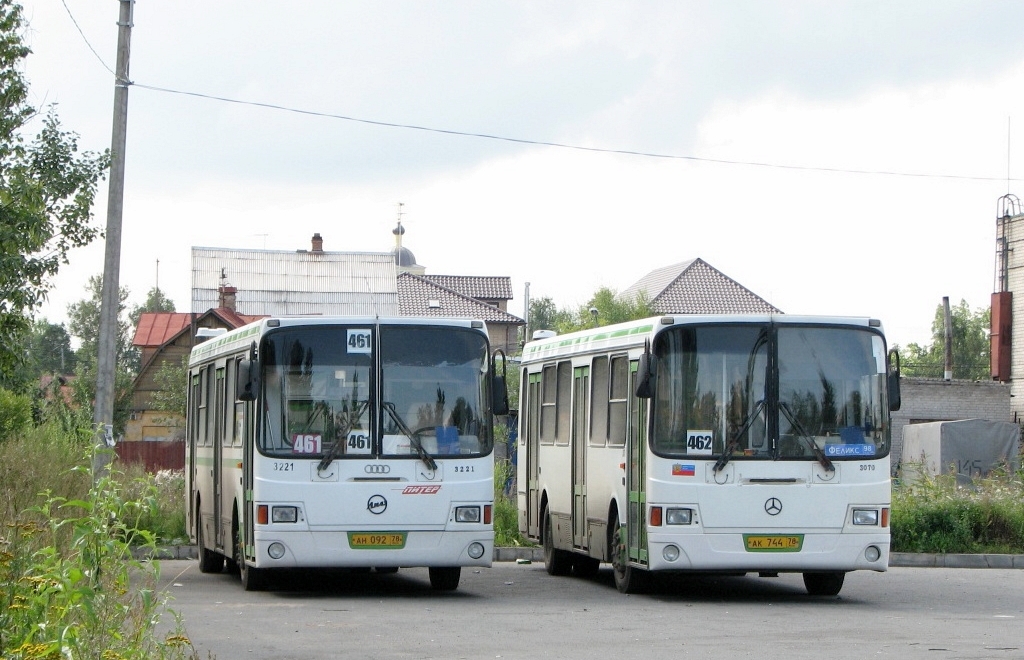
[
  {"x": 865, "y": 517},
  {"x": 872, "y": 553},
  {"x": 670, "y": 553},
  {"x": 275, "y": 550},
  {"x": 476, "y": 550},
  {"x": 284, "y": 514},
  {"x": 678, "y": 516},
  {"x": 467, "y": 514}
]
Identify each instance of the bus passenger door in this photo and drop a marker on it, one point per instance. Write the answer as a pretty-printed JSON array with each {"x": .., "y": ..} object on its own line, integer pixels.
[
  {"x": 636, "y": 475},
  {"x": 218, "y": 454},
  {"x": 532, "y": 429},
  {"x": 578, "y": 440}
]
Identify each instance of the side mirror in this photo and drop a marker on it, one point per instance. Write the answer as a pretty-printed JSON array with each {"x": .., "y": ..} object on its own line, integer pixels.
[
  {"x": 500, "y": 404},
  {"x": 645, "y": 374},
  {"x": 247, "y": 380},
  {"x": 892, "y": 379},
  {"x": 499, "y": 386}
]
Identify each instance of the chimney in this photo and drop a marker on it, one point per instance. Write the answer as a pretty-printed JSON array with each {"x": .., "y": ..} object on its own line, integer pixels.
[
  {"x": 318, "y": 243},
  {"x": 227, "y": 297}
]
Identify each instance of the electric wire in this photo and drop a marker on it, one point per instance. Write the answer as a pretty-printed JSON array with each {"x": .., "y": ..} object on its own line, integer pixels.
[{"x": 540, "y": 143}]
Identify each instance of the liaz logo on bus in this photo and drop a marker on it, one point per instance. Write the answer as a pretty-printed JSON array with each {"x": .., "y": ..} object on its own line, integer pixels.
[{"x": 421, "y": 490}]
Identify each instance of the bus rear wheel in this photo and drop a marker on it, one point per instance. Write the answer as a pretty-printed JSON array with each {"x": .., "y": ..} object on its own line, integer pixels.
[
  {"x": 824, "y": 584},
  {"x": 628, "y": 579},
  {"x": 557, "y": 562},
  {"x": 444, "y": 578},
  {"x": 210, "y": 561}
]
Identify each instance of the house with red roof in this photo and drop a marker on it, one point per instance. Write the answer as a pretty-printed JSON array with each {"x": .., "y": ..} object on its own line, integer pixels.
[{"x": 167, "y": 338}]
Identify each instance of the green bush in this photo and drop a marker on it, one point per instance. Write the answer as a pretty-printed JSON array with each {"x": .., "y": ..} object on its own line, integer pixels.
[
  {"x": 69, "y": 583},
  {"x": 15, "y": 414},
  {"x": 936, "y": 515}
]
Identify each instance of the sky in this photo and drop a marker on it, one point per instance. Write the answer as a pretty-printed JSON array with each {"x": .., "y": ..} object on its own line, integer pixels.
[{"x": 838, "y": 158}]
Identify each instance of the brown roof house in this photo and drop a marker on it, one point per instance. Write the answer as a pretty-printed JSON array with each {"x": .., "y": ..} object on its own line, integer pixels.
[
  {"x": 167, "y": 338},
  {"x": 467, "y": 296},
  {"x": 696, "y": 287}
]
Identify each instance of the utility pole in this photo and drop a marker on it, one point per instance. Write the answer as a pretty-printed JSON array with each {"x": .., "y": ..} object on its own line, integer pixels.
[{"x": 106, "y": 360}]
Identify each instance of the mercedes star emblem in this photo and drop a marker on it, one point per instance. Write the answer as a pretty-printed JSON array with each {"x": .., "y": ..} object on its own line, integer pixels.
[{"x": 773, "y": 506}]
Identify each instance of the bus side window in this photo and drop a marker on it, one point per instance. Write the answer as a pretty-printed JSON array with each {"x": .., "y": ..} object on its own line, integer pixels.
[
  {"x": 599, "y": 402},
  {"x": 618, "y": 400}
]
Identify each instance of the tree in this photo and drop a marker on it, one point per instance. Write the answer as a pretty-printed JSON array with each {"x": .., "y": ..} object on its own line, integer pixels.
[
  {"x": 83, "y": 322},
  {"x": 172, "y": 387},
  {"x": 49, "y": 349},
  {"x": 46, "y": 195},
  {"x": 544, "y": 315},
  {"x": 970, "y": 346},
  {"x": 605, "y": 307},
  {"x": 156, "y": 301}
]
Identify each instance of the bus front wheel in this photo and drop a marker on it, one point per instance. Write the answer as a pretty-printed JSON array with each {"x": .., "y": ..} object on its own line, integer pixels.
[
  {"x": 824, "y": 584},
  {"x": 628, "y": 579},
  {"x": 444, "y": 578},
  {"x": 253, "y": 579}
]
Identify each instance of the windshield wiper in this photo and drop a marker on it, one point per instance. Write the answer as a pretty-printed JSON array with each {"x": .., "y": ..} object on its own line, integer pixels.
[
  {"x": 808, "y": 440},
  {"x": 413, "y": 436},
  {"x": 344, "y": 422},
  {"x": 734, "y": 444}
]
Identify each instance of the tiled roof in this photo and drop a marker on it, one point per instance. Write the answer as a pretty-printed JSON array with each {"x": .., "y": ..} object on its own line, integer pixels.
[
  {"x": 416, "y": 292},
  {"x": 696, "y": 287},
  {"x": 158, "y": 328},
  {"x": 481, "y": 287}
]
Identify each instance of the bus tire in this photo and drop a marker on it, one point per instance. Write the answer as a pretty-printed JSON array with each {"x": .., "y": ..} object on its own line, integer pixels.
[
  {"x": 210, "y": 561},
  {"x": 253, "y": 579},
  {"x": 584, "y": 566},
  {"x": 557, "y": 562},
  {"x": 232, "y": 561},
  {"x": 628, "y": 579},
  {"x": 824, "y": 584},
  {"x": 444, "y": 578}
]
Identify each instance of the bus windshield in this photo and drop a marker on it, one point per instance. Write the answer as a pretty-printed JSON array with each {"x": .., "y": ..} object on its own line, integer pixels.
[
  {"x": 433, "y": 385},
  {"x": 320, "y": 386},
  {"x": 716, "y": 393}
]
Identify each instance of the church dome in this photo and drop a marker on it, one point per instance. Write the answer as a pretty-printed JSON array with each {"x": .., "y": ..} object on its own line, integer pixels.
[{"x": 404, "y": 257}]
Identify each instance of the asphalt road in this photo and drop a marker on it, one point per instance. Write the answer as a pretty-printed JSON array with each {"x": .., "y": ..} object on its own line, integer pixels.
[{"x": 518, "y": 611}]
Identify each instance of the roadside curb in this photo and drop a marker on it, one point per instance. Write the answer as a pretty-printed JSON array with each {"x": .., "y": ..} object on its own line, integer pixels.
[
  {"x": 911, "y": 560},
  {"x": 518, "y": 554}
]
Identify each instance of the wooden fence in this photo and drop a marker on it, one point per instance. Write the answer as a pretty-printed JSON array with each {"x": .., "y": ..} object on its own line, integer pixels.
[{"x": 155, "y": 455}]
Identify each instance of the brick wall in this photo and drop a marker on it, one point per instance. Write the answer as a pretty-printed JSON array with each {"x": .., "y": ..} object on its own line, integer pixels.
[{"x": 937, "y": 400}]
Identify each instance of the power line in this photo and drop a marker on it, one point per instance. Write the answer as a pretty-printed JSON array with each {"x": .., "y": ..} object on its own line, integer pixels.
[
  {"x": 544, "y": 143},
  {"x": 562, "y": 145},
  {"x": 89, "y": 45}
]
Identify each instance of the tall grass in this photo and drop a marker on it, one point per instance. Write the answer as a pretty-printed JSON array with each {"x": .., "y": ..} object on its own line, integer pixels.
[
  {"x": 70, "y": 586},
  {"x": 935, "y": 514},
  {"x": 506, "y": 515}
]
